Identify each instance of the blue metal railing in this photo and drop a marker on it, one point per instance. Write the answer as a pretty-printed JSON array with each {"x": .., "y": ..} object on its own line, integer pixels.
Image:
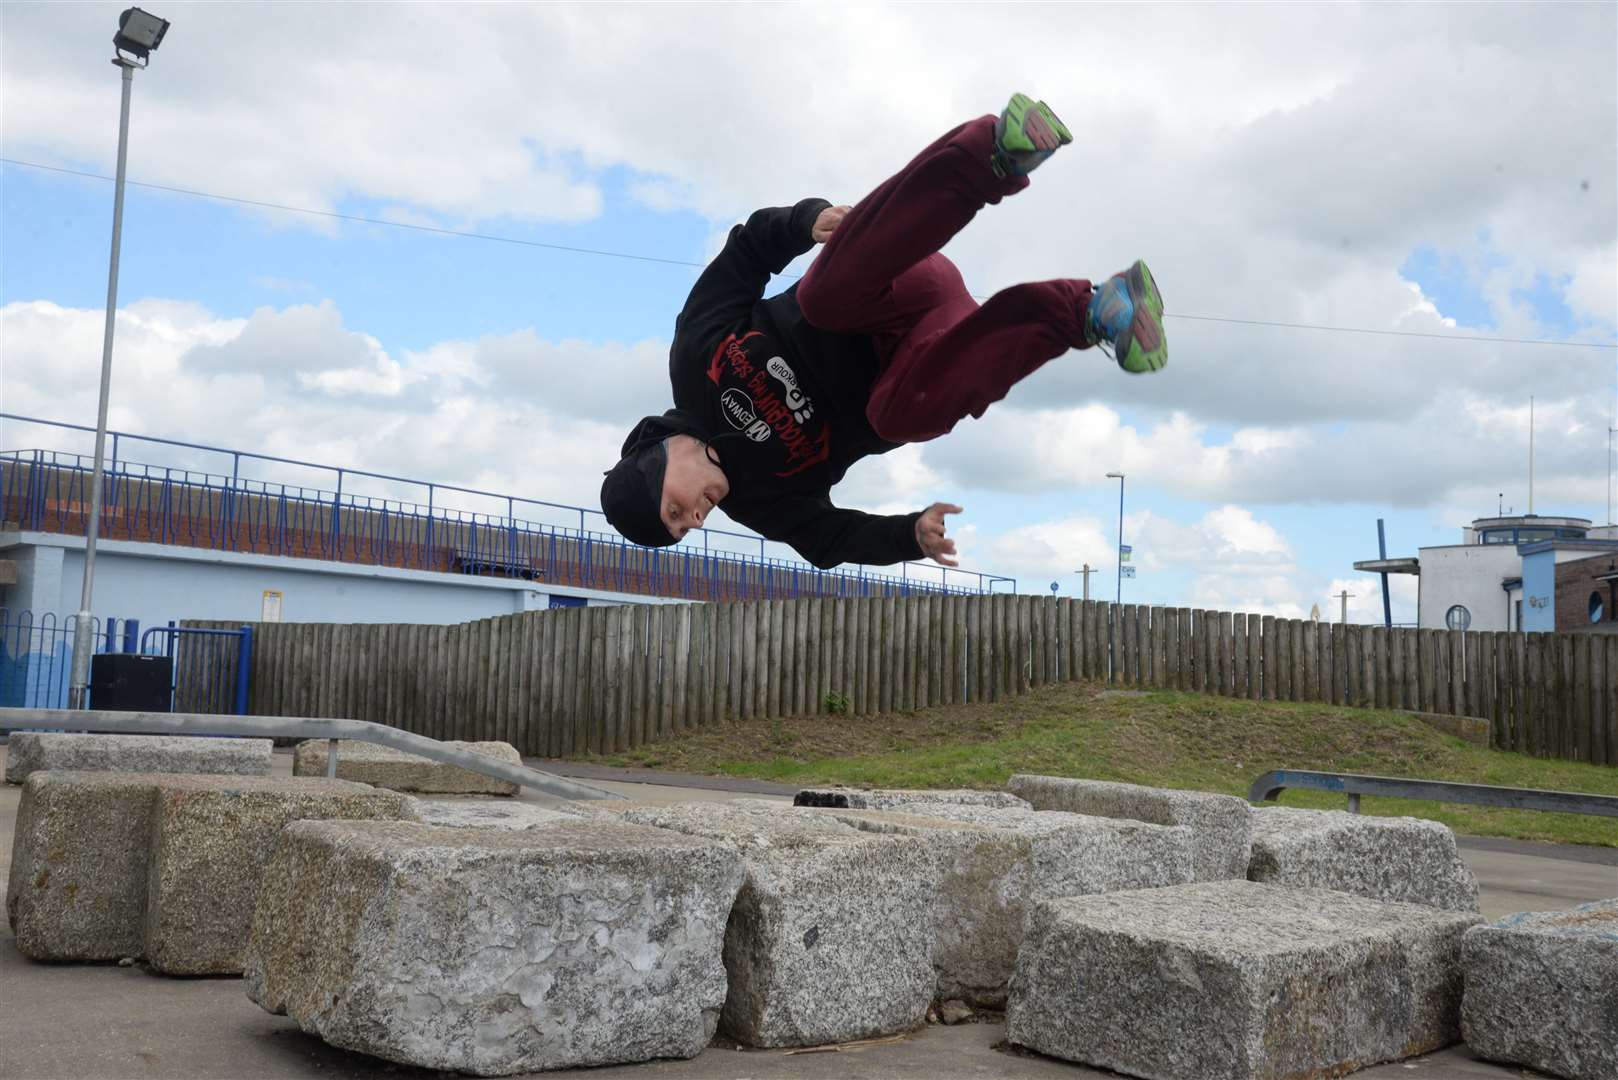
[
  {"x": 49, "y": 491},
  {"x": 36, "y": 654},
  {"x": 211, "y": 667}
]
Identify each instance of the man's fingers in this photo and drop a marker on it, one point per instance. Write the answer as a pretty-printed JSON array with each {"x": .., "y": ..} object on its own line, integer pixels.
[{"x": 947, "y": 508}]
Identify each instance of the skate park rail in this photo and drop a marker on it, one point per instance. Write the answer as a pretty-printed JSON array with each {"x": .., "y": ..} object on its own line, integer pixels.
[
  {"x": 290, "y": 727},
  {"x": 1269, "y": 787}
]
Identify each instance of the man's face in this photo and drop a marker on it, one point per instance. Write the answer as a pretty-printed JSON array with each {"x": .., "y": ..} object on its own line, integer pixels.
[{"x": 692, "y": 485}]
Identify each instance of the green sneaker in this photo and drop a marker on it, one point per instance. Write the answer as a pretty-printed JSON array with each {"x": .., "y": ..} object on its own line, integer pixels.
[
  {"x": 1125, "y": 318},
  {"x": 1025, "y": 135}
]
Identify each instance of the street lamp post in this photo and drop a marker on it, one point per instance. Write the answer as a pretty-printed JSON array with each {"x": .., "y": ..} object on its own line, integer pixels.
[
  {"x": 139, "y": 32},
  {"x": 1118, "y": 476}
]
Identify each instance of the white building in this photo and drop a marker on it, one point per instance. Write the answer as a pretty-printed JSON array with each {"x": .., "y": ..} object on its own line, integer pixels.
[{"x": 1478, "y": 583}]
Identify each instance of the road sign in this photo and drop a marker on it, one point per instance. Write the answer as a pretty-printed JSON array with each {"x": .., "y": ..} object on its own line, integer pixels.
[
  {"x": 1124, "y": 552},
  {"x": 1129, "y": 571}
]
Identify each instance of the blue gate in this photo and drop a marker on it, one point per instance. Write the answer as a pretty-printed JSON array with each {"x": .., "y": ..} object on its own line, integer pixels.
[{"x": 212, "y": 668}]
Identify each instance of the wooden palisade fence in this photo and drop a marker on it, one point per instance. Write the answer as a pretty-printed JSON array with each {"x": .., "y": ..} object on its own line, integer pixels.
[{"x": 602, "y": 679}]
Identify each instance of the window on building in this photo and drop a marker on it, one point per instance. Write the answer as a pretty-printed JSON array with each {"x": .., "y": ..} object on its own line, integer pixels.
[
  {"x": 1528, "y": 536},
  {"x": 1598, "y": 608},
  {"x": 1518, "y": 624},
  {"x": 1458, "y": 617}
]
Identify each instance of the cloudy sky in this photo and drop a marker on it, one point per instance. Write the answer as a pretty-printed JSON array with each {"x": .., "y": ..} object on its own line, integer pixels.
[{"x": 1446, "y": 169}]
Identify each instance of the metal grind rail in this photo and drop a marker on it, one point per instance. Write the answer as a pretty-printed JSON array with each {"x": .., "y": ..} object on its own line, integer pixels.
[
  {"x": 290, "y": 727},
  {"x": 1269, "y": 787}
]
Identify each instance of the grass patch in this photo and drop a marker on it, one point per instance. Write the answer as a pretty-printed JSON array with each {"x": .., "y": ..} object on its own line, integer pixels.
[{"x": 1162, "y": 738}]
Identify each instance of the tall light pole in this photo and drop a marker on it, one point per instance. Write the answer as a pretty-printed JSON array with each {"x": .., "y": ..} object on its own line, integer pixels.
[
  {"x": 1118, "y": 476},
  {"x": 139, "y": 32}
]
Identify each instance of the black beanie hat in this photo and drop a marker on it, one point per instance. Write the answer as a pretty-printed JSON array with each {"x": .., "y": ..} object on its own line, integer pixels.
[{"x": 632, "y": 493}]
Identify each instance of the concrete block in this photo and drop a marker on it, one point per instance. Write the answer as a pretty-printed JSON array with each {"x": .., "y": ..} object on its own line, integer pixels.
[
  {"x": 991, "y": 864},
  {"x": 474, "y": 813},
  {"x": 32, "y": 751},
  {"x": 496, "y": 951},
  {"x": 891, "y": 798},
  {"x": 1542, "y": 991},
  {"x": 983, "y": 879},
  {"x": 1404, "y": 860},
  {"x": 1236, "y": 980},
  {"x": 1077, "y": 855},
  {"x": 1219, "y": 824},
  {"x": 824, "y": 944},
  {"x": 77, "y": 888},
  {"x": 383, "y": 766},
  {"x": 211, "y": 840}
]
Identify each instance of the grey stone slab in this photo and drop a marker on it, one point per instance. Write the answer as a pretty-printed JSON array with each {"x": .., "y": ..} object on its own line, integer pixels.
[
  {"x": 984, "y": 877},
  {"x": 77, "y": 888},
  {"x": 496, "y": 951},
  {"x": 1542, "y": 991},
  {"x": 32, "y": 751},
  {"x": 829, "y": 940},
  {"x": 991, "y": 864},
  {"x": 211, "y": 840},
  {"x": 383, "y": 766},
  {"x": 1077, "y": 854},
  {"x": 1405, "y": 860},
  {"x": 1219, "y": 824},
  {"x": 889, "y": 798},
  {"x": 1232, "y": 980},
  {"x": 483, "y": 813}
]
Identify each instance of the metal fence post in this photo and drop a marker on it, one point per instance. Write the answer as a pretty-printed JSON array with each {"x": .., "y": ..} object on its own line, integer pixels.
[
  {"x": 244, "y": 662},
  {"x": 511, "y": 536},
  {"x": 337, "y": 519}
]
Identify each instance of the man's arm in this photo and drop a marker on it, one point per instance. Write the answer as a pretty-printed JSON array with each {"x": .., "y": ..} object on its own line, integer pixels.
[
  {"x": 736, "y": 278},
  {"x": 829, "y": 535}
]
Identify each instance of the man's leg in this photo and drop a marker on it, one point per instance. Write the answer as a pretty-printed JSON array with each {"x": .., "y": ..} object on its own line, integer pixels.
[
  {"x": 849, "y": 288},
  {"x": 958, "y": 362}
]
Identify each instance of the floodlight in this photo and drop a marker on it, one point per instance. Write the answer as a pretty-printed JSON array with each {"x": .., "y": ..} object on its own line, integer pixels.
[{"x": 139, "y": 32}]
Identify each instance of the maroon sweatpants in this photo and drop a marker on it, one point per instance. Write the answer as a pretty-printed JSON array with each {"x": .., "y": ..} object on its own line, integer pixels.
[{"x": 943, "y": 356}]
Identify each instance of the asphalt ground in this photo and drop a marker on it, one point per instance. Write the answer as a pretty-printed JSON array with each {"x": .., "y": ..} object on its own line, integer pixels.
[{"x": 105, "y": 1021}]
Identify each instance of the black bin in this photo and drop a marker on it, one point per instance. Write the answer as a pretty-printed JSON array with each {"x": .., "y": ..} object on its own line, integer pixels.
[{"x": 128, "y": 682}]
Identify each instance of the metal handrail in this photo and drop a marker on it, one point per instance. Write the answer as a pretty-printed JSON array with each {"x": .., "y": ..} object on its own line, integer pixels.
[
  {"x": 1269, "y": 787},
  {"x": 289, "y": 727},
  {"x": 336, "y": 501}
]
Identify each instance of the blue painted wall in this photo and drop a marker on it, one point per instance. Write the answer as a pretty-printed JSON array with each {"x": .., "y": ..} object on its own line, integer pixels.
[
  {"x": 1539, "y": 591},
  {"x": 153, "y": 584}
]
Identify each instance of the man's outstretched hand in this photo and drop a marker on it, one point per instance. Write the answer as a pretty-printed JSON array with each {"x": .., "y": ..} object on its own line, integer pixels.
[
  {"x": 930, "y": 533},
  {"x": 826, "y": 223}
]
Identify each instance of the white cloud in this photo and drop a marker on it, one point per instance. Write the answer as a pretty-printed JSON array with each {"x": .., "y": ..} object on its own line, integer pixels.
[
  {"x": 1455, "y": 442},
  {"x": 1229, "y": 558},
  {"x": 1043, "y": 552},
  {"x": 297, "y": 383}
]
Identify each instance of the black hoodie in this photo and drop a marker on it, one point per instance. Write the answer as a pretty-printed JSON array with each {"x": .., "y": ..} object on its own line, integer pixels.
[{"x": 783, "y": 402}]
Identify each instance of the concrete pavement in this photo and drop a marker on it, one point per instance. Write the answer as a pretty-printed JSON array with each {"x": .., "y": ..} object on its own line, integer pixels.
[{"x": 83, "y": 1021}]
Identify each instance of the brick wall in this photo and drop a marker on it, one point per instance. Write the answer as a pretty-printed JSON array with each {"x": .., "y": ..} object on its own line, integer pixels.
[{"x": 1575, "y": 581}]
